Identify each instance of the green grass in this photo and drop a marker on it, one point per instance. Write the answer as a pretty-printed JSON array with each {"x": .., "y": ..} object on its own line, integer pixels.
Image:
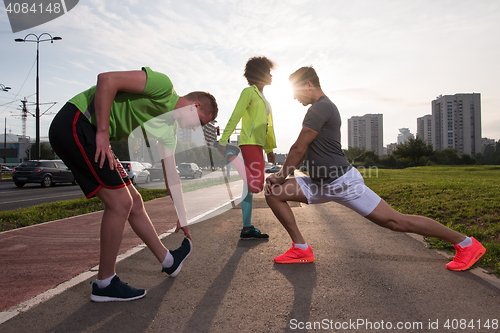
[
  {"x": 24, "y": 217},
  {"x": 5, "y": 175},
  {"x": 464, "y": 198}
]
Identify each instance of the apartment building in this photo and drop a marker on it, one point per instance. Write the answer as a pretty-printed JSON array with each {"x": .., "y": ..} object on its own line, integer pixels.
[
  {"x": 457, "y": 123},
  {"x": 424, "y": 128},
  {"x": 366, "y": 132}
]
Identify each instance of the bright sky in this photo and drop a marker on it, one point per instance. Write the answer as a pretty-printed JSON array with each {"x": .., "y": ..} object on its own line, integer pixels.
[{"x": 389, "y": 57}]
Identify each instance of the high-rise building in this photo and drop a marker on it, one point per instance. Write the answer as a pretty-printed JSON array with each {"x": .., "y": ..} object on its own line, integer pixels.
[
  {"x": 404, "y": 135},
  {"x": 424, "y": 128},
  {"x": 487, "y": 142},
  {"x": 457, "y": 123},
  {"x": 391, "y": 147},
  {"x": 366, "y": 132},
  {"x": 210, "y": 132},
  {"x": 205, "y": 135}
]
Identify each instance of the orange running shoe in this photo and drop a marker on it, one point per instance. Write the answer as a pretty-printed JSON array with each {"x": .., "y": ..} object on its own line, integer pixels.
[
  {"x": 465, "y": 257},
  {"x": 296, "y": 255}
]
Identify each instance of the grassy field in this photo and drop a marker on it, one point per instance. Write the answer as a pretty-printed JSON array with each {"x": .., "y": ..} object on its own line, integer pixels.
[{"x": 464, "y": 198}]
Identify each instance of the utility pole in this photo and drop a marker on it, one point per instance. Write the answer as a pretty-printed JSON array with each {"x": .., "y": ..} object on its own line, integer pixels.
[
  {"x": 24, "y": 115},
  {"x": 4, "y": 88},
  {"x": 5, "y": 142}
]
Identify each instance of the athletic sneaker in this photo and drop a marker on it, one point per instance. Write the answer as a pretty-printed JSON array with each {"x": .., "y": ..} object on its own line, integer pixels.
[
  {"x": 230, "y": 149},
  {"x": 181, "y": 254},
  {"x": 467, "y": 256},
  {"x": 252, "y": 233},
  {"x": 295, "y": 255},
  {"x": 116, "y": 291}
]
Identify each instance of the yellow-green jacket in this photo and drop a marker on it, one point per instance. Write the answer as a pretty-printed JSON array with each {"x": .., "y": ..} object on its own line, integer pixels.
[{"x": 256, "y": 125}]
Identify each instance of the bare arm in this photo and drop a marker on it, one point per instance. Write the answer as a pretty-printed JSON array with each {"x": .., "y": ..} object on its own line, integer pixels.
[
  {"x": 108, "y": 85},
  {"x": 271, "y": 158},
  {"x": 174, "y": 186},
  {"x": 295, "y": 156}
]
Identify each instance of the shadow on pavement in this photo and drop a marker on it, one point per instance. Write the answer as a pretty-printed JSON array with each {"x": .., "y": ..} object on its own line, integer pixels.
[
  {"x": 117, "y": 316},
  {"x": 303, "y": 279},
  {"x": 206, "y": 310}
]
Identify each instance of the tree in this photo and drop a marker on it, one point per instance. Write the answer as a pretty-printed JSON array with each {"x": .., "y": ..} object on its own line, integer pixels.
[
  {"x": 447, "y": 156},
  {"x": 352, "y": 152},
  {"x": 413, "y": 149},
  {"x": 467, "y": 159},
  {"x": 368, "y": 158},
  {"x": 489, "y": 150},
  {"x": 46, "y": 151}
]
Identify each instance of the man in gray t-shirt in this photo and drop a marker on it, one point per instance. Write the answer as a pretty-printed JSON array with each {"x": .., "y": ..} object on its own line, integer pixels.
[
  {"x": 333, "y": 179},
  {"x": 324, "y": 157}
]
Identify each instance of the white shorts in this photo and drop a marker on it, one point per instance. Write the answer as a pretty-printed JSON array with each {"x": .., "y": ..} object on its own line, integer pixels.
[{"x": 348, "y": 190}]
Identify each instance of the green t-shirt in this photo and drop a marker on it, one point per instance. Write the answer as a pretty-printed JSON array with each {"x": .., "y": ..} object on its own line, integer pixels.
[{"x": 129, "y": 111}]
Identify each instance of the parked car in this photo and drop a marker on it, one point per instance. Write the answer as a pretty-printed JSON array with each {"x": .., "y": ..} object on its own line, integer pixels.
[
  {"x": 6, "y": 168},
  {"x": 189, "y": 170},
  {"x": 156, "y": 172},
  {"x": 45, "y": 172},
  {"x": 136, "y": 172},
  {"x": 147, "y": 165},
  {"x": 273, "y": 169}
]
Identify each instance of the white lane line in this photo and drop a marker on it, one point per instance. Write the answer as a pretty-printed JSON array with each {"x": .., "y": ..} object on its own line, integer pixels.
[{"x": 45, "y": 296}]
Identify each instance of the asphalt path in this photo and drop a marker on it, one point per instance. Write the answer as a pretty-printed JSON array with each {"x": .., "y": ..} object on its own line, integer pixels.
[{"x": 364, "y": 279}]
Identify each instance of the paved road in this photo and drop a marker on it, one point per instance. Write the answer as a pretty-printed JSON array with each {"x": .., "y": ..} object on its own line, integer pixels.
[
  {"x": 13, "y": 197},
  {"x": 364, "y": 279}
]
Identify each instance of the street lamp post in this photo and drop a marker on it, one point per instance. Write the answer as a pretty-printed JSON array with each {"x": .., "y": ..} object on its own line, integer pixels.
[
  {"x": 4, "y": 88},
  {"x": 37, "y": 112}
]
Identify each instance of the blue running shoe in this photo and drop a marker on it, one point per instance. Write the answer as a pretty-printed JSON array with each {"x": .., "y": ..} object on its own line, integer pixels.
[
  {"x": 252, "y": 233},
  {"x": 181, "y": 254},
  {"x": 117, "y": 291},
  {"x": 230, "y": 149}
]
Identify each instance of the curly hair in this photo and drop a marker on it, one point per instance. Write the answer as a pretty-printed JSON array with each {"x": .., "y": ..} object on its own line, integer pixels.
[{"x": 257, "y": 68}]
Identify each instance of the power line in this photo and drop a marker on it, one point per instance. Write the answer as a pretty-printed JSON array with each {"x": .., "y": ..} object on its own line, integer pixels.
[{"x": 15, "y": 97}]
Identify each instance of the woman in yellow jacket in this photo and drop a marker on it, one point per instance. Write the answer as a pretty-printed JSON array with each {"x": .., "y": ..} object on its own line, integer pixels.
[{"x": 256, "y": 134}]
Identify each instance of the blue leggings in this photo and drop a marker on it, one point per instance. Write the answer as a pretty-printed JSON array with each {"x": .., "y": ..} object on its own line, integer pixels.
[{"x": 246, "y": 209}]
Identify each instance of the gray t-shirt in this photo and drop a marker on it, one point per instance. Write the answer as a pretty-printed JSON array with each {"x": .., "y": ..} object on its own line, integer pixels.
[{"x": 324, "y": 157}]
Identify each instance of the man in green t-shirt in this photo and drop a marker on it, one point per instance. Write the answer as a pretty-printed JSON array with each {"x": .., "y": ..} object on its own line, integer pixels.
[{"x": 80, "y": 135}]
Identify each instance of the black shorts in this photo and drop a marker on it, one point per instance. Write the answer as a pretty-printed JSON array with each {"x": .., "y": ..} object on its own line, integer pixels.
[{"x": 72, "y": 137}]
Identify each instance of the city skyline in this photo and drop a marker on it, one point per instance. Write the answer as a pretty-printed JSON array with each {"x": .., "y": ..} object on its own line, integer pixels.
[{"x": 371, "y": 57}]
